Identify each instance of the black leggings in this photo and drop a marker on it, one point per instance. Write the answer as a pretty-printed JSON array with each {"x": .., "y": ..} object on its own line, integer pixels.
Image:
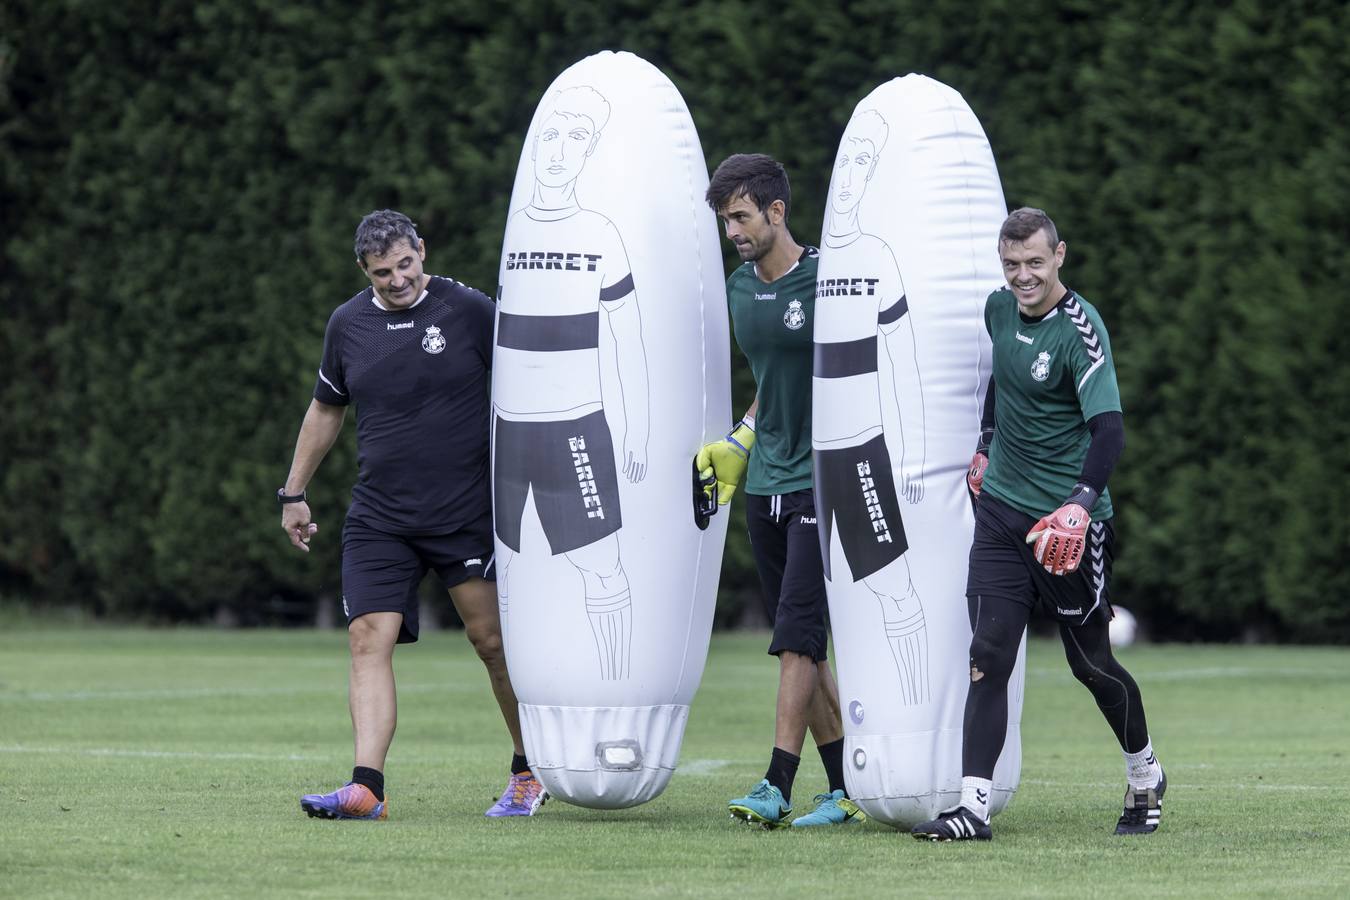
[{"x": 998, "y": 624}]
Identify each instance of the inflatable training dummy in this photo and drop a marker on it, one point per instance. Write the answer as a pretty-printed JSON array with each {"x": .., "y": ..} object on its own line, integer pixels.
[
  {"x": 908, "y": 254},
  {"x": 611, "y": 370}
]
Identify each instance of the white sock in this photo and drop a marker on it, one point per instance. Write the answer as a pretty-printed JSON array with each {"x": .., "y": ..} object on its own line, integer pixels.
[
  {"x": 975, "y": 795},
  {"x": 1141, "y": 769}
]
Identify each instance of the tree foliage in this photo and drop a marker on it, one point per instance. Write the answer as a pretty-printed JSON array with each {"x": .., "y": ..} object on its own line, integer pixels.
[{"x": 180, "y": 182}]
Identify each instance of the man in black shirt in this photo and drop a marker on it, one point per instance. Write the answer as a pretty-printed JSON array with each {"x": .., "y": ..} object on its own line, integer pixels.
[{"x": 414, "y": 353}]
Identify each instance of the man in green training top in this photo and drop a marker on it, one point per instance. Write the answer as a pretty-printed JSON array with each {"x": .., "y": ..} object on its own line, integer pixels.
[
  {"x": 772, "y": 297},
  {"x": 1043, "y": 521}
]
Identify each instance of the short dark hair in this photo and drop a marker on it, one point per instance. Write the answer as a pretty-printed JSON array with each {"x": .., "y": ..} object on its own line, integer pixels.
[
  {"x": 755, "y": 175},
  {"x": 381, "y": 230},
  {"x": 1022, "y": 223}
]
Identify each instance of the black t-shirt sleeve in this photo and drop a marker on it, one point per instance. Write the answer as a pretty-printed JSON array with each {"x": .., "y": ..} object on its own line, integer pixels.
[
  {"x": 481, "y": 314},
  {"x": 331, "y": 385}
]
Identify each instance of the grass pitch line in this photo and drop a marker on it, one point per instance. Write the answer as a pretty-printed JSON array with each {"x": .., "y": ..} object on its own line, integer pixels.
[
  {"x": 702, "y": 766},
  {"x": 161, "y": 754}
]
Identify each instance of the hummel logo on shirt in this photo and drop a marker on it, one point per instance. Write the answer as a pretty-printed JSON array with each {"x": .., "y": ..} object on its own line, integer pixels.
[
  {"x": 1023, "y": 338},
  {"x": 770, "y": 296},
  {"x": 392, "y": 327}
]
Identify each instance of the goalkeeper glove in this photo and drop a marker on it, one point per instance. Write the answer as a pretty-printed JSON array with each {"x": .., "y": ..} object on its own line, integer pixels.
[
  {"x": 725, "y": 460},
  {"x": 979, "y": 462},
  {"x": 975, "y": 477},
  {"x": 1059, "y": 537}
]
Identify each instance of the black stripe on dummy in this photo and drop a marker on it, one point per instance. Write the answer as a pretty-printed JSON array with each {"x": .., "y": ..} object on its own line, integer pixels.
[
  {"x": 548, "y": 334},
  {"x": 617, "y": 291},
  {"x": 898, "y": 309},
  {"x": 845, "y": 358}
]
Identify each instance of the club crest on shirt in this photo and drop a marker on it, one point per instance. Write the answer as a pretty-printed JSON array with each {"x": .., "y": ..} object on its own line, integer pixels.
[
  {"x": 795, "y": 317},
  {"x": 1040, "y": 369},
  {"x": 433, "y": 341}
]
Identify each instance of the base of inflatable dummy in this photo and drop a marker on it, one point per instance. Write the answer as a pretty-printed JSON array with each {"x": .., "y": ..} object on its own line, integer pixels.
[
  {"x": 894, "y": 777},
  {"x": 604, "y": 757}
]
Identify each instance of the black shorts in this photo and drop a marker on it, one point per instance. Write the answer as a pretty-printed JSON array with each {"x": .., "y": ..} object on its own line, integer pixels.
[
  {"x": 855, "y": 493},
  {"x": 1002, "y": 564},
  {"x": 569, "y": 465},
  {"x": 381, "y": 571},
  {"x": 787, "y": 553}
]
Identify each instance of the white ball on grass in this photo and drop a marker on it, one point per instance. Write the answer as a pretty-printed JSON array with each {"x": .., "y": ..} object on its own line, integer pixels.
[{"x": 1123, "y": 627}]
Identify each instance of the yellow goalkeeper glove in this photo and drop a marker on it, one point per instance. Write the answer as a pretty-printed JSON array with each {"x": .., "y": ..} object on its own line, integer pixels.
[{"x": 725, "y": 460}]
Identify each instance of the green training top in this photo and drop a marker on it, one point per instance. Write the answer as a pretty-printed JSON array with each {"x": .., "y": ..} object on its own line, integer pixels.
[
  {"x": 1050, "y": 377},
  {"x": 774, "y": 323}
]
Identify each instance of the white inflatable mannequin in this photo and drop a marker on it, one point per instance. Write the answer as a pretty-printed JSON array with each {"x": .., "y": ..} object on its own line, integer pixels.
[
  {"x": 611, "y": 370},
  {"x": 908, "y": 254}
]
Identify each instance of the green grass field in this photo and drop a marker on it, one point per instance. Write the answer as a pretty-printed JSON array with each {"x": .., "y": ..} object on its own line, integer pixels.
[{"x": 168, "y": 763}]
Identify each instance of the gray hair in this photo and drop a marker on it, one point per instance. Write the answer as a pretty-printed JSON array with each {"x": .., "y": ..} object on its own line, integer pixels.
[{"x": 381, "y": 230}]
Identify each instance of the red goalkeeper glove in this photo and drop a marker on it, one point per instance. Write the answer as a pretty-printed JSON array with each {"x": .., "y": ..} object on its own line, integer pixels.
[
  {"x": 975, "y": 477},
  {"x": 1059, "y": 538}
]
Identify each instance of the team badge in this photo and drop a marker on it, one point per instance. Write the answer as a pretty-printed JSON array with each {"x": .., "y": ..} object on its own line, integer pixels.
[
  {"x": 795, "y": 317},
  {"x": 1040, "y": 369},
  {"x": 433, "y": 341}
]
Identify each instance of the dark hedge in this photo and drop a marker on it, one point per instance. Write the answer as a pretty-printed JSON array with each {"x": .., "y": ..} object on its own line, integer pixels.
[{"x": 180, "y": 182}]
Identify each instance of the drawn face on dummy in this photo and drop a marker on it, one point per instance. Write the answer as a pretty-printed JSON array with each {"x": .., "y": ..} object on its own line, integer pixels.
[
  {"x": 853, "y": 169},
  {"x": 568, "y": 132},
  {"x": 859, "y": 151},
  {"x": 561, "y": 148}
]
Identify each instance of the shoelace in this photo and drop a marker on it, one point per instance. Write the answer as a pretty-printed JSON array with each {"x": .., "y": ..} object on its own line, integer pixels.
[
  {"x": 762, "y": 792},
  {"x": 522, "y": 786}
]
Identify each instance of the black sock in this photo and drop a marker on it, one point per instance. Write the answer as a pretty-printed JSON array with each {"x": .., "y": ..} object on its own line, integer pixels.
[
  {"x": 519, "y": 765},
  {"x": 832, "y": 756},
  {"x": 371, "y": 778},
  {"x": 782, "y": 772}
]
